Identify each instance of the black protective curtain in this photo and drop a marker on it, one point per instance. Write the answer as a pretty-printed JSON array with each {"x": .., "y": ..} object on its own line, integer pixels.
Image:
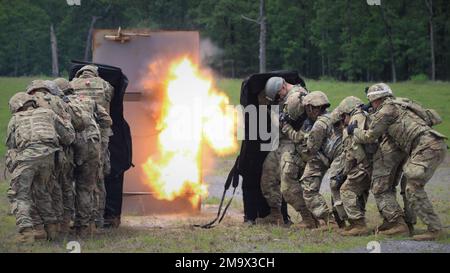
[
  {"x": 120, "y": 144},
  {"x": 251, "y": 157}
]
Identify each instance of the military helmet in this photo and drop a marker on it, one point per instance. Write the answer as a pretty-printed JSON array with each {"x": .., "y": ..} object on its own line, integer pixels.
[
  {"x": 294, "y": 105},
  {"x": 36, "y": 85},
  {"x": 348, "y": 104},
  {"x": 273, "y": 86},
  {"x": 19, "y": 100},
  {"x": 63, "y": 85},
  {"x": 92, "y": 68},
  {"x": 378, "y": 91},
  {"x": 53, "y": 88},
  {"x": 316, "y": 99}
]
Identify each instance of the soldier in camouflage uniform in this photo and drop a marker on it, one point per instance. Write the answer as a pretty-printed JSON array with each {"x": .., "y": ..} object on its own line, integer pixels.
[
  {"x": 386, "y": 170},
  {"x": 281, "y": 167},
  {"x": 295, "y": 117},
  {"x": 66, "y": 174},
  {"x": 45, "y": 94},
  {"x": 88, "y": 83},
  {"x": 323, "y": 144},
  {"x": 35, "y": 134},
  {"x": 87, "y": 150},
  {"x": 351, "y": 183},
  {"x": 425, "y": 148}
]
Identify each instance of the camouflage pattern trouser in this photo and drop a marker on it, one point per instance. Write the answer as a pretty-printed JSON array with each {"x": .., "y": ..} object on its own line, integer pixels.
[
  {"x": 387, "y": 163},
  {"x": 426, "y": 156},
  {"x": 66, "y": 180},
  {"x": 354, "y": 191},
  {"x": 311, "y": 180},
  {"x": 11, "y": 194},
  {"x": 56, "y": 189},
  {"x": 337, "y": 168},
  {"x": 99, "y": 197},
  {"x": 31, "y": 181},
  {"x": 86, "y": 175},
  {"x": 281, "y": 170}
]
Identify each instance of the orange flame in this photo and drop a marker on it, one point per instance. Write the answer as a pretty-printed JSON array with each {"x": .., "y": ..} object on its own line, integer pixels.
[{"x": 192, "y": 113}]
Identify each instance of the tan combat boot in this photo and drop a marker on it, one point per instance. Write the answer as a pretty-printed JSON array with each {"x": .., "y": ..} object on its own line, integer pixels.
[
  {"x": 25, "y": 236},
  {"x": 384, "y": 226},
  {"x": 64, "y": 228},
  {"x": 94, "y": 230},
  {"x": 84, "y": 231},
  {"x": 398, "y": 227},
  {"x": 274, "y": 218},
  {"x": 307, "y": 222},
  {"x": 348, "y": 227},
  {"x": 328, "y": 223},
  {"x": 39, "y": 232},
  {"x": 430, "y": 235},
  {"x": 52, "y": 231},
  {"x": 358, "y": 228}
]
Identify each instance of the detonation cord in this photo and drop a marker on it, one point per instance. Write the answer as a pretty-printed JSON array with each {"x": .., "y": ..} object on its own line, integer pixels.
[{"x": 233, "y": 176}]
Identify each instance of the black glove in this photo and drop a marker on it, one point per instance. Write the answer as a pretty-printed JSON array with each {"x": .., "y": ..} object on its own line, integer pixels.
[
  {"x": 351, "y": 128},
  {"x": 340, "y": 179},
  {"x": 365, "y": 107},
  {"x": 284, "y": 117}
]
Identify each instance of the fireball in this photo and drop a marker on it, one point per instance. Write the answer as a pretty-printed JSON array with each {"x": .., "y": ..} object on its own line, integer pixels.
[{"x": 193, "y": 114}]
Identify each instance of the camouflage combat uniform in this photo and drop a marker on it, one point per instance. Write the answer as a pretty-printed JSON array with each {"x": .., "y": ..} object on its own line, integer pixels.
[
  {"x": 323, "y": 145},
  {"x": 87, "y": 158},
  {"x": 80, "y": 120},
  {"x": 357, "y": 170},
  {"x": 47, "y": 97},
  {"x": 281, "y": 171},
  {"x": 35, "y": 134},
  {"x": 425, "y": 149},
  {"x": 88, "y": 83}
]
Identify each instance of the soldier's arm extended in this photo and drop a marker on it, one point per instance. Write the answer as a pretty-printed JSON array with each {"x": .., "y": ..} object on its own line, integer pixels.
[
  {"x": 65, "y": 130},
  {"x": 102, "y": 117},
  {"x": 316, "y": 137},
  {"x": 10, "y": 134},
  {"x": 295, "y": 136},
  {"x": 379, "y": 124},
  {"x": 109, "y": 92}
]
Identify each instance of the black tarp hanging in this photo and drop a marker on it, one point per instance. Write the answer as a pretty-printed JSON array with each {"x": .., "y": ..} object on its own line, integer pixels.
[
  {"x": 249, "y": 163},
  {"x": 120, "y": 144},
  {"x": 251, "y": 157}
]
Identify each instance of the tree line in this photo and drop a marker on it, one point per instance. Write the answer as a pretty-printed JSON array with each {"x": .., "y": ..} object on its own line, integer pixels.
[{"x": 340, "y": 39}]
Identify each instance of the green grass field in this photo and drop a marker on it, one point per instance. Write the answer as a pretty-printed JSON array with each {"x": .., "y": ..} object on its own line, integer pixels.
[{"x": 233, "y": 236}]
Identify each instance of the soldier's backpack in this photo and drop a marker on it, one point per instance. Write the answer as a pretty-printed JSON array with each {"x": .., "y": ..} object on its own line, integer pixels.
[{"x": 430, "y": 116}]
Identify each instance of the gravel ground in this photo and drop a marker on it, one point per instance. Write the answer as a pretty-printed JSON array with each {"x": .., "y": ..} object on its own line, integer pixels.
[
  {"x": 404, "y": 246},
  {"x": 216, "y": 182},
  {"x": 440, "y": 179}
]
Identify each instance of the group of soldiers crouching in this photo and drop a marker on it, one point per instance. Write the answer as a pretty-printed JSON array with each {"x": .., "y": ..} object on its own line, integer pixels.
[
  {"x": 364, "y": 147},
  {"x": 58, "y": 156}
]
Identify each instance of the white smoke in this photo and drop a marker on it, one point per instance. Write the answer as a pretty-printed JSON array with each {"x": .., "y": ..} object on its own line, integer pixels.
[{"x": 209, "y": 51}]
